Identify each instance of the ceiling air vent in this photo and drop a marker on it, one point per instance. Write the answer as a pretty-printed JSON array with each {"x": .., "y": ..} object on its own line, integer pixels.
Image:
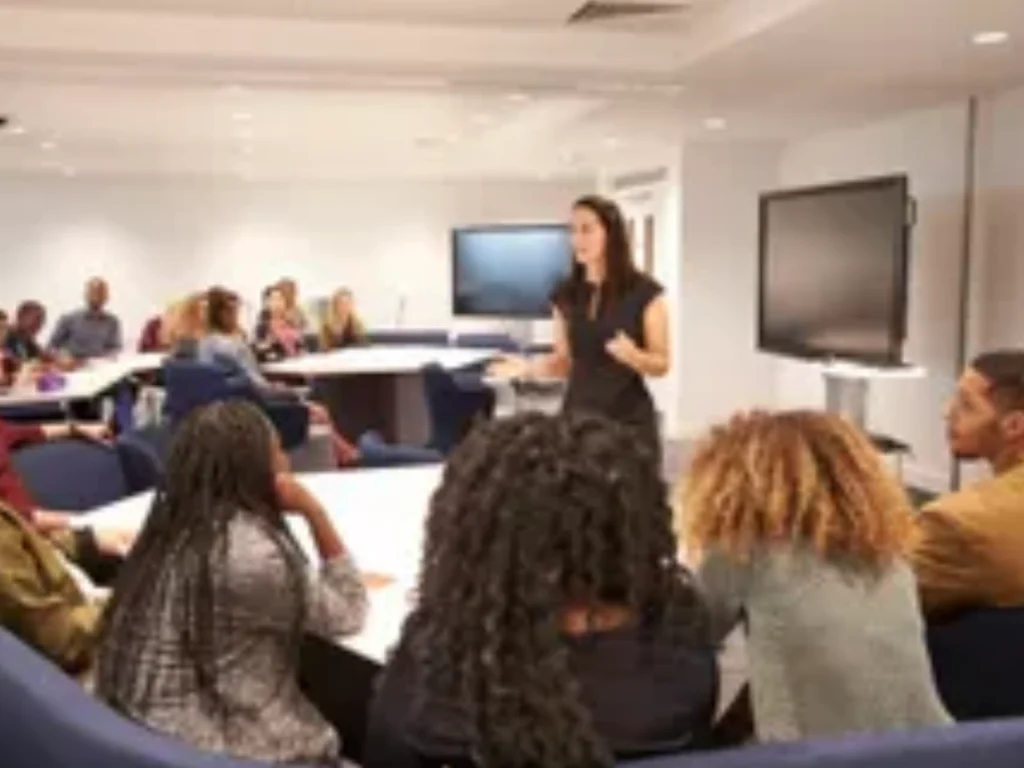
[{"x": 609, "y": 10}]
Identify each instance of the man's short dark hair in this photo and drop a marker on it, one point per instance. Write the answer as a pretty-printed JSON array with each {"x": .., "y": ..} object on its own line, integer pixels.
[{"x": 1004, "y": 370}]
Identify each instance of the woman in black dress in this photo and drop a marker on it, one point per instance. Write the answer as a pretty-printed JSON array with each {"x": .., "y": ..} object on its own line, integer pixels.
[{"x": 610, "y": 325}]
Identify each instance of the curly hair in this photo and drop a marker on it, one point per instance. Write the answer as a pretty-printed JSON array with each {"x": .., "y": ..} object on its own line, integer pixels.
[
  {"x": 796, "y": 476},
  {"x": 536, "y": 514},
  {"x": 220, "y": 467}
]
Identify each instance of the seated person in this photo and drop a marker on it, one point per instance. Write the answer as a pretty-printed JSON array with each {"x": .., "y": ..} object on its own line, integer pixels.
[
  {"x": 294, "y": 315},
  {"x": 184, "y": 326},
  {"x": 969, "y": 546},
  {"x": 8, "y": 363},
  {"x": 342, "y": 326},
  {"x": 224, "y": 343},
  {"x": 276, "y": 337},
  {"x": 40, "y": 601},
  {"x": 203, "y": 630},
  {"x": 152, "y": 338},
  {"x": 554, "y": 625},
  {"x": 90, "y": 332},
  {"x": 802, "y": 535},
  {"x": 21, "y": 341}
]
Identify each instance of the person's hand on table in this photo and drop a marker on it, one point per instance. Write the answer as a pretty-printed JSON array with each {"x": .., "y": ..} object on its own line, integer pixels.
[
  {"x": 94, "y": 432},
  {"x": 509, "y": 367},
  {"x": 377, "y": 580},
  {"x": 47, "y": 521},
  {"x": 115, "y": 542}
]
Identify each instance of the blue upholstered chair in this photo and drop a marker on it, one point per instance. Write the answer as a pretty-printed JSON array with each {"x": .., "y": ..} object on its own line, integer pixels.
[
  {"x": 78, "y": 475},
  {"x": 192, "y": 384},
  {"x": 454, "y": 404},
  {"x": 982, "y": 745},
  {"x": 48, "y": 721},
  {"x": 424, "y": 338},
  {"x": 978, "y": 662}
]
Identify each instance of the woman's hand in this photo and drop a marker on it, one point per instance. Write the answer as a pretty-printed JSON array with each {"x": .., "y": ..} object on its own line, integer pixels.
[
  {"x": 623, "y": 348},
  {"x": 114, "y": 542}
]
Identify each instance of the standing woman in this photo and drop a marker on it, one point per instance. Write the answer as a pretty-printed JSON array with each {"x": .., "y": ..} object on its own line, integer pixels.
[
  {"x": 611, "y": 325},
  {"x": 342, "y": 326}
]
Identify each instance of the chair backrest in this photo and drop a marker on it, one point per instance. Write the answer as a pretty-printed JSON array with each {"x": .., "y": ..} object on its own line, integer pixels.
[
  {"x": 72, "y": 475},
  {"x": 982, "y": 745},
  {"x": 978, "y": 662},
  {"x": 428, "y": 338},
  {"x": 47, "y": 720},
  {"x": 191, "y": 384},
  {"x": 452, "y": 409},
  {"x": 143, "y": 452},
  {"x": 499, "y": 341}
]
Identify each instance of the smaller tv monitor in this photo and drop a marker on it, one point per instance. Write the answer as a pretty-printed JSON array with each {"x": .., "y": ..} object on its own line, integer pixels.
[{"x": 508, "y": 271}]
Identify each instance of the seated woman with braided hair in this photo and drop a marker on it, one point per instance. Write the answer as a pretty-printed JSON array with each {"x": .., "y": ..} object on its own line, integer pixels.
[
  {"x": 554, "y": 625},
  {"x": 201, "y": 639}
]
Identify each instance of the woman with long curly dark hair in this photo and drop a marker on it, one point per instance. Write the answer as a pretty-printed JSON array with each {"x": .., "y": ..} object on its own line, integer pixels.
[
  {"x": 555, "y": 627},
  {"x": 802, "y": 536},
  {"x": 201, "y": 639}
]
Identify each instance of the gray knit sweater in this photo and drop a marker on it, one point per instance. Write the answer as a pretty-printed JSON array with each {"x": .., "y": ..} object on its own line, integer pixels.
[{"x": 830, "y": 650}]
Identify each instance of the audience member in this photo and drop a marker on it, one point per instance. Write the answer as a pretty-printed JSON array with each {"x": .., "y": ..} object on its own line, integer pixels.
[
  {"x": 152, "y": 338},
  {"x": 225, "y": 344},
  {"x": 203, "y": 631},
  {"x": 90, "y": 332},
  {"x": 276, "y": 336},
  {"x": 969, "y": 547},
  {"x": 342, "y": 326},
  {"x": 40, "y": 601},
  {"x": 801, "y": 534},
  {"x": 554, "y": 625},
  {"x": 21, "y": 342},
  {"x": 294, "y": 315},
  {"x": 184, "y": 326},
  {"x": 8, "y": 363}
]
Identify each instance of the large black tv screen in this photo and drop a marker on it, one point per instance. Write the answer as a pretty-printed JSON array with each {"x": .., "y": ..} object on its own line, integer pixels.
[
  {"x": 508, "y": 271},
  {"x": 833, "y": 271}
]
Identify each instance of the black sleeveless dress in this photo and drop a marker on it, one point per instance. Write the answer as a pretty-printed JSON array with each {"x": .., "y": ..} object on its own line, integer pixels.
[{"x": 598, "y": 383}]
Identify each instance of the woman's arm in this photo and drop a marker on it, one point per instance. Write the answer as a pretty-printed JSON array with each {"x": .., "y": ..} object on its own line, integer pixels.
[{"x": 652, "y": 359}]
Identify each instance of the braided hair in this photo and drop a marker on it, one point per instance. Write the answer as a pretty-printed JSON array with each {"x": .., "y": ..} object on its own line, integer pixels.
[
  {"x": 221, "y": 465},
  {"x": 535, "y": 515}
]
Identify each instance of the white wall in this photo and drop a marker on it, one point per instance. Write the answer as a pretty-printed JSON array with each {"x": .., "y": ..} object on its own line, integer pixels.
[
  {"x": 721, "y": 371},
  {"x": 156, "y": 240}
]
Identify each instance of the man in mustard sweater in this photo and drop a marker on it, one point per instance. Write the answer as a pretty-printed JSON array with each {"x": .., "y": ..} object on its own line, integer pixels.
[{"x": 969, "y": 549}]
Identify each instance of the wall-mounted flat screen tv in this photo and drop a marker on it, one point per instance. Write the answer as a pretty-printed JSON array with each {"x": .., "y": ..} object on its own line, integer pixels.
[
  {"x": 834, "y": 266},
  {"x": 508, "y": 271}
]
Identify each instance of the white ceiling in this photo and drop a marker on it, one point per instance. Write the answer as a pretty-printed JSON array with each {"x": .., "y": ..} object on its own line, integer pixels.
[{"x": 462, "y": 88}]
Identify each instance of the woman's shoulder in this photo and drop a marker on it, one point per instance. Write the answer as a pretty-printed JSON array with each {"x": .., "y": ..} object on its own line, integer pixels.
[{"x": 644, "y": 288}]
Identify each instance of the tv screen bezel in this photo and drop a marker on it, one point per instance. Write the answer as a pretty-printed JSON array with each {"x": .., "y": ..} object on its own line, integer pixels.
[
  {"x": 456, "y": 231},
  {"x": 901, "y": 272}
]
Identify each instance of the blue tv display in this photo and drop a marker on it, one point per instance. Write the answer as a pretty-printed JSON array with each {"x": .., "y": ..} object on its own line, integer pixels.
[{"x": 508, "y": 271}]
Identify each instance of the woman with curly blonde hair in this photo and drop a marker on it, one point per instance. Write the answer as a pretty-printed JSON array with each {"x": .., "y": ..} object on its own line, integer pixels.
[{"x": 801, "y": 535}]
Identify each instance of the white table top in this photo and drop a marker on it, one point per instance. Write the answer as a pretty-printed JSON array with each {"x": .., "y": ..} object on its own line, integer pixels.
[
  {"x": 379, "y": 514},
  {"x": 86, "y": 383},
  {"x": 376, "y": 360}
]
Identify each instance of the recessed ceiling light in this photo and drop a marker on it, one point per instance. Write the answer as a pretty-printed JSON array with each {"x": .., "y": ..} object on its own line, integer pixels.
[
  {"x": 48, "y": 146},
  {"x": 241, "y": 117},
  {"x": 17, "y": 130},
  {"x": 991, "y": 37},
  {"x": 519, "y": 97},
  {"x": 715, "y": 123}
]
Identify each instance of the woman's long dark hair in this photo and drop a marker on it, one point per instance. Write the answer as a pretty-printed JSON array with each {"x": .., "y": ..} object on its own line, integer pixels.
[
  {"x": 536, "y": 514},
  {"x": 621, "y": 273},
  {"x": 220, "y": 467}
]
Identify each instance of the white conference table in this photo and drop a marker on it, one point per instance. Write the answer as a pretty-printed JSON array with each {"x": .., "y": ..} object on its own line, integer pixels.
[
  {"x": 378, "y": 388},
  {"x": 380, "y": 515},
  {"x": 356, "y": 361},
  {"x": 86, "y": 383}
]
